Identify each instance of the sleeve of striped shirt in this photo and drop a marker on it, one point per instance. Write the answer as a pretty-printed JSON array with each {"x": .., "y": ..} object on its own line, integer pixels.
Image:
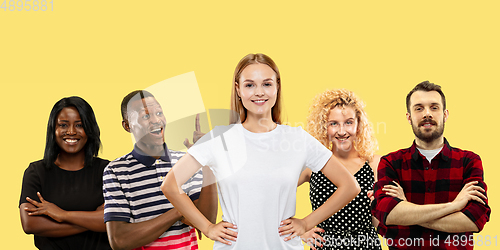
[
  {"x": 477, "y": 212},
  {"x": 116, "y": 206},
  {"x": 383, "y": 203},
  {"x": 193, "y": 186}
]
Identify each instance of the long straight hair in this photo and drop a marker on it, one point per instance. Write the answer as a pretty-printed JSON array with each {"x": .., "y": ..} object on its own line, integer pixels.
[
  {"x": 239, "y": 113},
  {"x": 89, "y": 124}
]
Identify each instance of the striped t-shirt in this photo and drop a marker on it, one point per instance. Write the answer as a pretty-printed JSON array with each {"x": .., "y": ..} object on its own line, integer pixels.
[{"x": 131, "y": 186}]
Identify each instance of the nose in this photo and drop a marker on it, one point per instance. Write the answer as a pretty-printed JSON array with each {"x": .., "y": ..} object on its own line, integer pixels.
[
  {"x": 71, "y": 130},
  {"x": 341, "y": 129},
  {"x": 259, "y": 91},
  {"x": 427, "y": 114},
  {"x": 154, "y": 119}
]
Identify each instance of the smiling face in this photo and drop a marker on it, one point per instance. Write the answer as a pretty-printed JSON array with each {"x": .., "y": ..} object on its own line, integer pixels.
[
  {"x": 70, "y": 135},
  {"x": 258, "y": 89},
  {"x": 145, "y": 120},
  {"x": 342, "y": 128},
  {"x": 427, "y": 116}
]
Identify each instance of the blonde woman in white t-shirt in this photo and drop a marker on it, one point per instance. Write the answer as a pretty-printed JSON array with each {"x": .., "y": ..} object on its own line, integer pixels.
[{"x": 257, "y": 163}]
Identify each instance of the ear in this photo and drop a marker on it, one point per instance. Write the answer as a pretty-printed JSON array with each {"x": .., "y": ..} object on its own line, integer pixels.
[
  {"x": 237, "y": 86},
  {"x": 408, "y": 117},
  {"x": 125, "y": 125},
  {"x": 446, "y": 114}
]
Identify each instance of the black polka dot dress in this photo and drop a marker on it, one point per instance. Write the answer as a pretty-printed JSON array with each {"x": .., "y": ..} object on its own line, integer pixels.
[{"x": 351, "y": 227}]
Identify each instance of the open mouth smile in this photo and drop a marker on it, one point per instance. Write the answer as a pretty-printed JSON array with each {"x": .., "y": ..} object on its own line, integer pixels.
[
  {"x": 342, "y": 138},
  {"x": 260, "y": 101},
  {"x": 71, "y": 141},
  {"x": 157, "y": 131}
]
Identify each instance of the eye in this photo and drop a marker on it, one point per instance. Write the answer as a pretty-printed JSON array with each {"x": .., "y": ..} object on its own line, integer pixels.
[
  {"x": 159, "y": 113},
  {"x": 434, "y": 107},
  {"x": 79, "y": 125},
  {"x": 349, "y": 122},
  {"x": 332, "y": 124},
  {"x": 62, "y": 125},
  {"x": 418, "y": 108},
  {"x": 145, "y": 117},
  {"x": 248, "y": 85},
  {"x": 268, "y": 84}
]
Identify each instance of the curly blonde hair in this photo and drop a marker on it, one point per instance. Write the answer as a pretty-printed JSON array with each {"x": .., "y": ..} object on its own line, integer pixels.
[{"x": 317, "y": 120}]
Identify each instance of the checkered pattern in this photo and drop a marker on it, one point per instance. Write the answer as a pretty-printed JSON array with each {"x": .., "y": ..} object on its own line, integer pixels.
[{"x": 428, "y": 183}]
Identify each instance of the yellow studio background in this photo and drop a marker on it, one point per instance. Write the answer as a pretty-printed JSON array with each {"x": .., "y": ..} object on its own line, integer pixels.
[{"x": 102, "y": 50}]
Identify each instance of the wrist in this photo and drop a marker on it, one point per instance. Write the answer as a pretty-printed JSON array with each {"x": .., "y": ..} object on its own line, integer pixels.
[
  {"x": 453, "y": 206},
  {"x": 206, "y": 229},
  {"x": 63, "y": 216},
  {"x": 307, "y": 224}
]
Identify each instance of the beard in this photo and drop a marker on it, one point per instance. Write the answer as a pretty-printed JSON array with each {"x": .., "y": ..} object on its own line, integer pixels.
[{"x": 425, "y": 136}]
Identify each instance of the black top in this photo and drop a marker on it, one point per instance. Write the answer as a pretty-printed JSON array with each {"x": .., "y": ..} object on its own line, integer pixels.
[
  {"x": 351, "y": 227},
  {"x": 79, "y": 190}
]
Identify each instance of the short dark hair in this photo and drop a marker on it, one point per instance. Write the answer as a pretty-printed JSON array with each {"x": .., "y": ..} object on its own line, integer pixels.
[
  {"x": 89, "y": 124},
  {"x": 127, "y": 98},
  {"x": 425, "y": 86}
]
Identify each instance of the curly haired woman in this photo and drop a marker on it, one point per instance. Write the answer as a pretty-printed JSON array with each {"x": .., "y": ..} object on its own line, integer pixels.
[{"x": 337, "y": 119}]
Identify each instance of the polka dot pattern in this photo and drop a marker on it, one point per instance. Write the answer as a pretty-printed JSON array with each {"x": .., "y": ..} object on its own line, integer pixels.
[{"x": 354, "y": 221}]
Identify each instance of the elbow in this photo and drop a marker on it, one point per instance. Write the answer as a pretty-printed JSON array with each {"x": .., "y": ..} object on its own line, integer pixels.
[
  {"x": 356, "y": 190},
  {"x": 116, "y": 243},
  {"x": 166, "y": 190},
  {"x": 28, "y": 229}
]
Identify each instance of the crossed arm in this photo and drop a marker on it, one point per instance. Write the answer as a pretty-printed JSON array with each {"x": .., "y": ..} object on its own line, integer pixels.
[
  {"x": 445, "y": 217},
  {"x": 48, "y": 220}
]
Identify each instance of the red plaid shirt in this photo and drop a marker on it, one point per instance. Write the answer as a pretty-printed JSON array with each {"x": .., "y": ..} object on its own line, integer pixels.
[{"x": 428, "y": 183}]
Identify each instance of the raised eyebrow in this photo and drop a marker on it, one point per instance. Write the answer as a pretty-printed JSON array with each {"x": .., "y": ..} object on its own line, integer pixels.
[
  {"x": 268, "y": 79},
  {"x": 248, "y": 80}
]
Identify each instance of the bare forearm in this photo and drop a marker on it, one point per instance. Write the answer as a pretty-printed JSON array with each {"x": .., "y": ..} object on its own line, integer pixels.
[
  {"x": 124, "y": 235},
  {"x": 207, "y": 203},
  {"x": 185, "y": 206},
  {"x": 453, "y": 223},
  {"x": 91, "y": 220},
  {"x": 43, "y": 225},
  {"x": 406, "y": 213}
]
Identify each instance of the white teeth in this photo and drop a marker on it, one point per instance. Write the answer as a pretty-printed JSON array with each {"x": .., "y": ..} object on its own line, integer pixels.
[
  {"x": 156, "y": 130},
  {"x": 259, "y": 101},
  {"x": 70, "y": 140}
]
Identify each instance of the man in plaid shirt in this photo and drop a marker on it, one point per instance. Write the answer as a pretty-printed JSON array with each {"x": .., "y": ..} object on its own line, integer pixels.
[{"x": 431, "y": 195}]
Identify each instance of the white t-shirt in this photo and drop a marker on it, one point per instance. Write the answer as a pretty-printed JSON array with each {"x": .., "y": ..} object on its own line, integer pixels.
[
  {"x": 257, "y": 175},
  {"x": 430, "y": 154}
]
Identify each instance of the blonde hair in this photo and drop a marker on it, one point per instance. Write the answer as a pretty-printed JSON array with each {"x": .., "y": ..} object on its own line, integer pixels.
[
  {"x": 317, "y": 120},
  {"x": 240, "y": 112}
]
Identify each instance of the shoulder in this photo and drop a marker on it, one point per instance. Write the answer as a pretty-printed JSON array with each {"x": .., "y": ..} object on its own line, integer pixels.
[
  {"x": 292, "y": 131},
  {"x": 374, "y": 162},
  {"x": 176, "y": 155},
  {"x": 100, "y": 163},
  {"x": 120, "y": 162},
  {"x": 464, "y": 155},
  {"x": 374, "y": 165},
  {"x": 35, "y": 168},
  {"x": 396, "y": 155},
  {"x": 37, "y": 164}
]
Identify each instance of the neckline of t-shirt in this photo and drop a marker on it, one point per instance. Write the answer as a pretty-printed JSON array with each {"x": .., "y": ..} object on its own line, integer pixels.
[{"x": 250, "y": 133}]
